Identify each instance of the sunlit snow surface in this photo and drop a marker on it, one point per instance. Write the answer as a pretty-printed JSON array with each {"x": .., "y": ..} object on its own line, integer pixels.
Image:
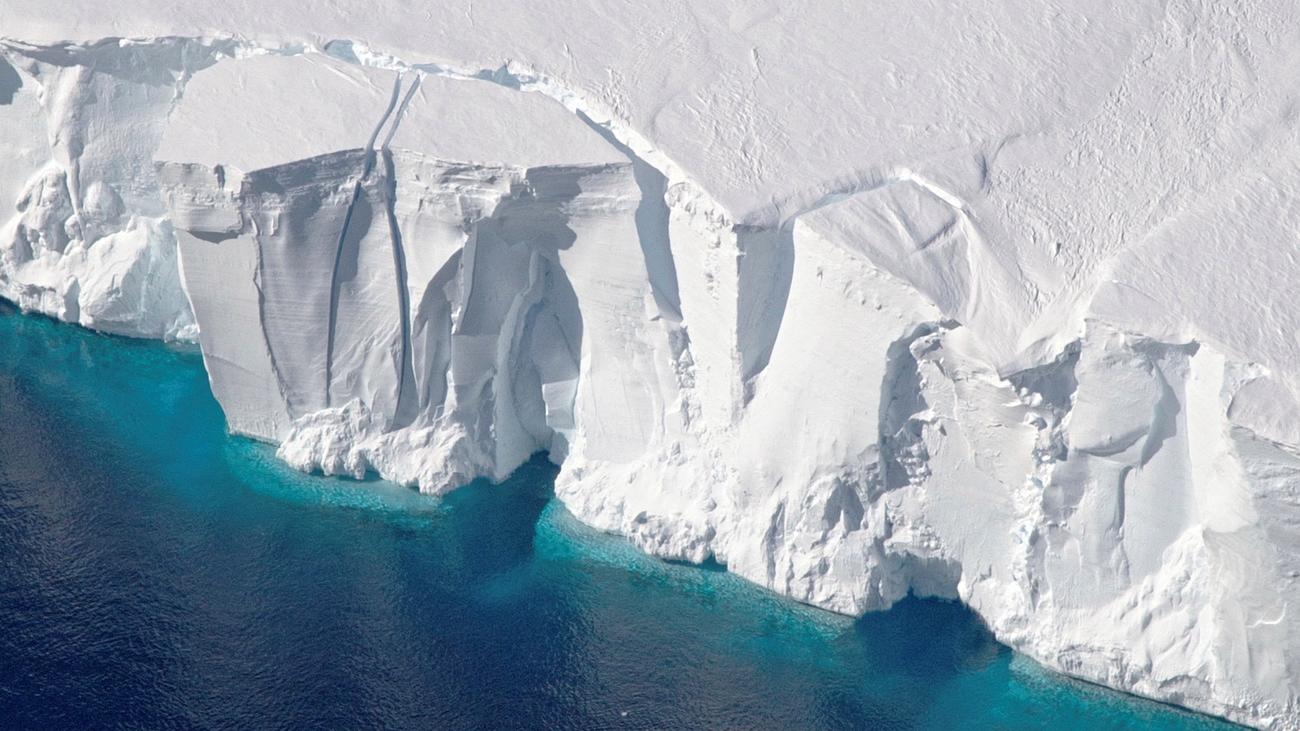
[
  {"x": 158, "y": 572},
  {"x": 984, "y": 301}
]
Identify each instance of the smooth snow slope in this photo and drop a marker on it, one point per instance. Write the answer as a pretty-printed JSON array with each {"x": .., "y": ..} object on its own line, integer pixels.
[{"x": 984, "y": 301}]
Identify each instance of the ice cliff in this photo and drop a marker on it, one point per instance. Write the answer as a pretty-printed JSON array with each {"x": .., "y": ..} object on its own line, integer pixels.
[{"x": 986, "y": 303}]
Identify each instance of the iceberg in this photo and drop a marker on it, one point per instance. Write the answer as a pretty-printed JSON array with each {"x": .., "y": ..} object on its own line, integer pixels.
[{"x": 984, "y": 303}]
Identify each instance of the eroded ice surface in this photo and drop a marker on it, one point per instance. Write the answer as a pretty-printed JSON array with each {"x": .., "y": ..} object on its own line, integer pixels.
[{"x": 985, "y": 302}]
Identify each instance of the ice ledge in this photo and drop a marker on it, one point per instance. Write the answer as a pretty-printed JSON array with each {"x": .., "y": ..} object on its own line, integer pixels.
[{"x": 839, "y": 406}]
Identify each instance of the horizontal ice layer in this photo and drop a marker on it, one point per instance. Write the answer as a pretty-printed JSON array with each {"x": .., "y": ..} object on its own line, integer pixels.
[
  {"x": 241, "y": 115},
  {"x": 269, "y": 110},
  {"x": 716, "y": 88}
]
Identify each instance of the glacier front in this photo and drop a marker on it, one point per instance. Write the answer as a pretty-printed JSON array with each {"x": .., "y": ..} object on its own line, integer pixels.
[{"x": 982, "y": 302}]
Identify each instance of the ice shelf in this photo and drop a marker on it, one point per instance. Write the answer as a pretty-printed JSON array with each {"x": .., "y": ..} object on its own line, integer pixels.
[{"x": 986, "y": 301}]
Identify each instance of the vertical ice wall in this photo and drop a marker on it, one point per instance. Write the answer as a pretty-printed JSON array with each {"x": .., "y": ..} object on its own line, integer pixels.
[
  {"x": 83, "y": 229},
  {"x": 442, "y": 279},
  {"x": 433, "y": 278}
]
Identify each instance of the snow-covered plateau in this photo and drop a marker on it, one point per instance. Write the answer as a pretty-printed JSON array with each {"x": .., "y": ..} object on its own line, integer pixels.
[{"x": 985, "y": 301}]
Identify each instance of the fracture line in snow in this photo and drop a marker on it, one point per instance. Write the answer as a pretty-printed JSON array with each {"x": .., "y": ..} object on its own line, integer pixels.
[
  {"x": 357, "y": 192},
  {"x": 406, "y": 366},
  {"x": 374, "y": 134},
  {"x": 334, "y": 290},
  {"x": 401, "y": 111}
]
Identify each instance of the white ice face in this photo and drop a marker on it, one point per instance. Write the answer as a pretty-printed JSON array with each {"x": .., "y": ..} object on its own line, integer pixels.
[
  {"x": 985, "y": 302},
  {"x": 85, "y": 236}
]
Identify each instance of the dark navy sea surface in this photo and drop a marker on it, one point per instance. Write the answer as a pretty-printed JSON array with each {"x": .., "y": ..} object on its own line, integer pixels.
[{"x": 156, "y": 573}]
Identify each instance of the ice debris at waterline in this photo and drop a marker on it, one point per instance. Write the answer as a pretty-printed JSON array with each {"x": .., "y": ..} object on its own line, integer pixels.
[{"x": 985, "y": 302}]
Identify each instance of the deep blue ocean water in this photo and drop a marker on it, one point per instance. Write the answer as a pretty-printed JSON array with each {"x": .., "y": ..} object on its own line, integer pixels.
[{"x": 156, "y": 573}]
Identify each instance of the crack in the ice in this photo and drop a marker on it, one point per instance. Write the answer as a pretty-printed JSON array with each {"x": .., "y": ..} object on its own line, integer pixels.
[
  {"x": 358, "y": 190},
  {"x": 401, "y": 417}
]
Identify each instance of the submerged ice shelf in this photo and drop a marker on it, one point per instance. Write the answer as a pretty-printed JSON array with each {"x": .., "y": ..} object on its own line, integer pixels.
[{"x": 1035, "y": 358}]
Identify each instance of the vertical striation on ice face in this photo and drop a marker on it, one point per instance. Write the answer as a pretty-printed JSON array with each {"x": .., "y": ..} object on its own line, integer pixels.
[
  {"x": 442, "y": 279},
  {"x": 1025, "y": 372}
]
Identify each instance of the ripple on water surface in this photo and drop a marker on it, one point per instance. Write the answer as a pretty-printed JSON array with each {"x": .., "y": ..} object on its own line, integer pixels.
[{"x": 155, "y": 572}]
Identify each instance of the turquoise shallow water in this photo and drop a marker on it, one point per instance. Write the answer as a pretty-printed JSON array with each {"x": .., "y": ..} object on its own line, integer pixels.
[{"x": 157, "y": 573}]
